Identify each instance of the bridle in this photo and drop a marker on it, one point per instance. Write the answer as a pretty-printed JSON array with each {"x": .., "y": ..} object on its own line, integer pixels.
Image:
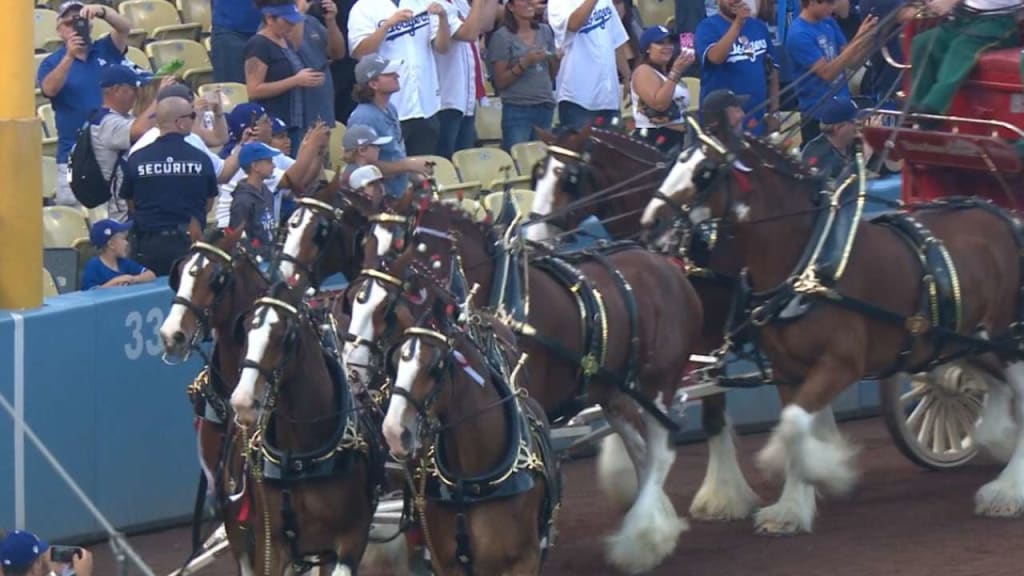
[
  {"x": 292, "y": 318},
  {"x": 327, "y": 220},
  {"x": 222, "y": 274}
]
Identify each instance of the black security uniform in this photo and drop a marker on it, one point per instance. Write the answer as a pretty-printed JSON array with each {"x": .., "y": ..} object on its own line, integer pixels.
[{"x": 170, "y": 182}]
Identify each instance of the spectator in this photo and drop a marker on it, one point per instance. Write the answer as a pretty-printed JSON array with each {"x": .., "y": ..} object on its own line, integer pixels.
[
  {"x": 24, "y": 554},
  {"x": 344, "y": 70},
  {"x": 367, "y": 180},
  {"x": 275, "y": 76},
  {"x": 522, "y": 53},
  {"x": 459, "y": 75},
  {"x": 210, "y": 123},
  {"x": 111, "y": 267},
  {"x": 70, "y": 77},
  {"x": 360, "y": 147},
  {"x": 279, "y": 136},
  {"x": 659, "y": 101},
  {"x": 830, "y": 152},
  {"x": 322, "y": 42},
  {"x": 234, "y": 23},
  {"x": 815, "y": 44},
  {"x": 722, "y": 114},
  {"x": 168, "y": 185},
  {"x": 737, "y": 53},
  {"x": 390, "y": 29},
  {"x": 252, "y": 204},
  {"x": 588, "y": 32},
  {"x": 377, "y": 79},
  {"x": 113, "y": 129},
  {"x": 689, "y": 13}
]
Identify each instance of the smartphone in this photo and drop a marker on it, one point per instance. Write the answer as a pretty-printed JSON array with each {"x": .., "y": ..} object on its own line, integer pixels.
[
  {"x": 81, "y": 27},
  {"x": 64, "y": 554}
]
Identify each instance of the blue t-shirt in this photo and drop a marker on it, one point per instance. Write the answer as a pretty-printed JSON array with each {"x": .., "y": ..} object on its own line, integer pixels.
[
  {"x": 807, "y": 43},
  {"x": 96, "y": 273},
  {"x": 170, "y": 182},
  {"x": 236, "y": 15},
  {"x": 81, "y": 93},
  {"x": 745, "y": 69},
  {"x": 385, "y": 123},
  {"x": 319, "y": 100}
]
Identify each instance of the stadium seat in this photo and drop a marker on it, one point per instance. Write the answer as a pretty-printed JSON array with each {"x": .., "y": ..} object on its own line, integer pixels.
[
  {"x": 45, "y": 113},
  {"x": 49, "y": 146},
  {"x": 159, "y": 19},
  {"x": 40, "y": 99},
  {"x": 206, "y": 43},
  {"x": 655, "y": 12},
  {"x": 196, "y": 12},
  {"x": 62, "y": 225},
  {"x": 492, "y": 203},
  {"x": 523, "y": 199},
  {"x": 44, "y": 27},
  {"x": 448, "y": 183},
  {"x": 693, "y": 87},
  {"x": 491, "y": 166},
  {"x": 139, "y": 58},
  {"x": 528, "y": 154},
  {"x": 49, "y": 286},
  {"x": 85, "y": 251},
  {"x": 791, "y": 122},
  {"x": 196, "y": 70},
  {"x": 49, "y": 167},
  {"x": 488, "y": 122},
  {"x": 100, "y": 28},
  {"x": 231, "y": 93},
  {"x": 334, "y": 151}
]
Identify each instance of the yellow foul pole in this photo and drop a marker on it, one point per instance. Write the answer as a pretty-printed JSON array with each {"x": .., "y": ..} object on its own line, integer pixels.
[{"x": 21, "y": 224}]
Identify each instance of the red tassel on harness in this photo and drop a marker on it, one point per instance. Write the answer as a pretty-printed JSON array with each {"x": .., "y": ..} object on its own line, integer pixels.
[
  {"x": 243, "y": 511},
  {"x": 742, "y": 180}
]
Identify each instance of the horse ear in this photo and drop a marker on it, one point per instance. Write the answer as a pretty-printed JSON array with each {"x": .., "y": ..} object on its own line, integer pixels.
[{"x": 544, "y": 136}]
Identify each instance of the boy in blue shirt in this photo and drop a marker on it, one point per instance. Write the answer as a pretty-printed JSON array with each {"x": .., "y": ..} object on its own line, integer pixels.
[
  {"x": 252, "y": 204},
  {"x": 111, "y": 267},
  {"x": 815, "y": 44}
]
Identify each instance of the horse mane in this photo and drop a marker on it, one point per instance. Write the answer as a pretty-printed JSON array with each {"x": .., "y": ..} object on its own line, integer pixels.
[
  {"x": 783, "y": 163},
  {"x": 637, "y": 149},
  {"x": 462, "y": 221}
]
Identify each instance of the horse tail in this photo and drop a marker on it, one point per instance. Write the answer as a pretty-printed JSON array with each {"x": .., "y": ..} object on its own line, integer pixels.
[{"x": 616, "y": 473}]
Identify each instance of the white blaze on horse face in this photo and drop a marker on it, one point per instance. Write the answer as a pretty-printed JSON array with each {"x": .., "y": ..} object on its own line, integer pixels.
[
  {"x": 678, "y": 185},
  {"x": 544, "y": 200},
  {"x": 357, "y": 354},
  {"x": 385, "y": 239},
  {"x": 395, "y": 420},
  {"x": 243, "y": 397},
  {"x": 172, "y": 325},
  {"x": 297, "y": 225}
]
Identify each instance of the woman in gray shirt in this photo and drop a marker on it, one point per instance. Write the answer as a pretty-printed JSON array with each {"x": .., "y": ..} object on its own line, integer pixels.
[{"x": 524, "y": 63}]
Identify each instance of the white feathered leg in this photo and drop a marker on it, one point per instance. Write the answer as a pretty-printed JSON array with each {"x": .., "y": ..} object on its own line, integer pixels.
[
  {"x": 724, "y": 494},
  {"x": 1004, "y": 496},
  {"x": 996, "y": 432}
]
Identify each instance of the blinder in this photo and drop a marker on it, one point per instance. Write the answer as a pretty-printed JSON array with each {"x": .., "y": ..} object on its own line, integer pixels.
[{"x": 174, "y": 278}]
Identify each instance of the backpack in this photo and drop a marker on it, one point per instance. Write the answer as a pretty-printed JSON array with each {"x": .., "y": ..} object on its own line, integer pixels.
[{"x": 84, "y": 173}]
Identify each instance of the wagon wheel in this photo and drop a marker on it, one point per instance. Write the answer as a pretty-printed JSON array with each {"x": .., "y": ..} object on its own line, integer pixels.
[{"x": 931, "y": 415}]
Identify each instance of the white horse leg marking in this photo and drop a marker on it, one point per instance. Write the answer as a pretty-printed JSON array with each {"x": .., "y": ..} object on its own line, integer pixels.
[
  {"x": 172, "y": 325},
  {"x": 1004, "y": 496},
  {"x": 341, "y": 570},
  {"x": 302, "y": 219},
  {"x": 724, "y": 494},
  {"x": 244, "y": 396},
  {"x": 621, "y": 462},
  {"x": 399, "y": 416},
  {"x": 794, "y": 512},
  {"x": 996, "y": 430},
  {"x": 357, "y": 356},
  {"x": 544, "y": 201},
  {"x": 651, "y": 528}
]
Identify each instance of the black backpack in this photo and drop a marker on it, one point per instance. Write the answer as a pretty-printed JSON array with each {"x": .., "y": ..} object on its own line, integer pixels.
[{"x": 84, "y": 173}]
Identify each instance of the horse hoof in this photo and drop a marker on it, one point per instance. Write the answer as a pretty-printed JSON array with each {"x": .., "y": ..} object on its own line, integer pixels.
[
  {"x": 1000, "y": 499},
  {"x": 779, "y": 520}
]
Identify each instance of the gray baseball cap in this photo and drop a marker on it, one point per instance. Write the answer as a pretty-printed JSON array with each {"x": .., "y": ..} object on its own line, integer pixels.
[
  {"x": 374, "y": 65},
  {"x": 361, "y": 135}
]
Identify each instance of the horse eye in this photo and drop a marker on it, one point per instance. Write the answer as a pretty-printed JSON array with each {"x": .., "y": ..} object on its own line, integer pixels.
[{"x": 558, "y": 171}]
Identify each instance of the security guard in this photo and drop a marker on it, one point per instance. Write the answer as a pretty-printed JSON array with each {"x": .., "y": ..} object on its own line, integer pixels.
[{"x": 168, "y": 184}]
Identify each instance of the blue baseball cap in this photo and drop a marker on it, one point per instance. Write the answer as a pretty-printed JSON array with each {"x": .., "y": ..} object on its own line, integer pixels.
[
  {"x": 288, "y": 12},
  {"x": 277, "y": 126},
  {"x": 104, "y": 230},
  {"x": 116, "y": 75},
  {"x": 837, "y": 111},
  {"x": 254, "y": 151},
  {"x": 20, "y": 549},
  {"x": 241, "y": 117},
  {"x": 653, "y": 34}
]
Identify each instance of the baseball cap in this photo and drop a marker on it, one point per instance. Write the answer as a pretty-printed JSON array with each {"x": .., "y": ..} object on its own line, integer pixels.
[
  {"x": 837, "y": 111},
  {"x": 288, "y": 12},
  {"x": 254, "y": 151},
  {"x": 277, "y": 126},
  {"x": 716, "y": 102},
  {"x": 362, "y": 135},
  {"x": 104, "y": 230},
  {"x": 175, "y": 91},
  {"x": 20, "y": 549},
  {"x": 364, "y": 175},
  {"x": 69, "y": 6},
  {"x": 370, "y": 67},
  {"x": 653, "y": 34},
  {"x": 241, "y": 117},
  {"x": 117, "y": 75}
]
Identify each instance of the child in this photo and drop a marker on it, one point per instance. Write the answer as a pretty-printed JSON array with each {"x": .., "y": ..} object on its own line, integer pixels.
[
  {"x": 252, "y": 204},
  {"x": 111, "y": 267},
  {"x": 279, "y": 136},
  {"x": 368, "y": 180},
  {"x": 360, "y": 146}
]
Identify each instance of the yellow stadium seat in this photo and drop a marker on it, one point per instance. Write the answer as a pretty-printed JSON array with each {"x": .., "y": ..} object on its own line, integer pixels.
[
  {"x": 693, "y": 87},
  {"x": 139, "y": 58},
  {"x": 197, "y": 69},
  {"x": 488, "y": 122},
  {"x": 49, "y": 286},
  {"x": 523, "y": 199},
  {"x": 49, "y": 146},
  {"x": 449, "y": 185},
  {"x": 491, "y": 166},
  {"x": 93, "y": 215},
  {"x": 473, "y": 208},
  {"x": 196, "y": 12},
  {"x": 45, "y": 113},
  {"x": 791, "y": 123},
  {"x": 100, "y": 28},
  {"x": 528, "y": 154},
  {"x": 231, "y": 93},
  {"x": 40, "y": 99},
  {"x": 654, "y": 12},
  {"x": 62, "y": 225},
  {"x": 85, "y": 251},
  {"x": 49, "y": 166},
  {"x": 492, "y": 203},
  {"x": 334, "y": 151},
  {"x": 44, "y": 27},
  {"x": 159, "y": 19}
]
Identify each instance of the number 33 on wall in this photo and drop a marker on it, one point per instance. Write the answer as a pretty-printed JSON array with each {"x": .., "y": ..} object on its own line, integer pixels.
[{"x": 138, "y": 330}]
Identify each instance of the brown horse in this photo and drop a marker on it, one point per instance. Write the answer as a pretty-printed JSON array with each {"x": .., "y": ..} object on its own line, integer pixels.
[
  {"x": 489, "y": 482},
  {"x": 887, "y": 311},
  {"x": 645, "y": 319},
  {"x": 608, "y": 174},
  {"x": 313, "y": 452}
]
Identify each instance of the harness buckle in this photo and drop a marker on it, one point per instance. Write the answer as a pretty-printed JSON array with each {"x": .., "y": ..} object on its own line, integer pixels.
[{"x": 759, "y": 318}]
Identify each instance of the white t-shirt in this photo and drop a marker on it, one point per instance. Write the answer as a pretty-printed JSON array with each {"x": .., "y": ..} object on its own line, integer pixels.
[
  {"x": 680, "y": 97},
  {"x": 153, "y": 133},
  {"x": 455, "y": 69},
  {"x": 222, "y": 208},
  {"x": 410, "y": 41},
  {"x": 588, "y": 76}
]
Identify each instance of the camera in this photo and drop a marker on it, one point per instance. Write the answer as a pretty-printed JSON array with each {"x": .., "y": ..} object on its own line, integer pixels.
[
  {"x": 64, "y": 554},
  {"x": 81, "y": 27}
]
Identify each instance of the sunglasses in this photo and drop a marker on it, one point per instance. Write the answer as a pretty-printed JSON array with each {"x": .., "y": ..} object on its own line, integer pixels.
[{"x": 191, "y": 115}]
